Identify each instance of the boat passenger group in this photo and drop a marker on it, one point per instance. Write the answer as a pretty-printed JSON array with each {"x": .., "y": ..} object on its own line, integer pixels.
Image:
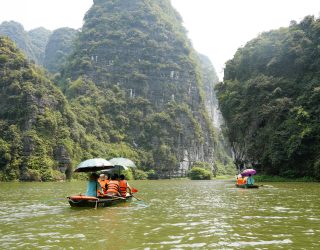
[
  {"x": 245, "y": 180},
  {"x": 106, "y": 186}
]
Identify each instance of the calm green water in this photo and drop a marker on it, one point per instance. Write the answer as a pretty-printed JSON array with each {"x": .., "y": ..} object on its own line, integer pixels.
[{"x": 173, "y": 215}]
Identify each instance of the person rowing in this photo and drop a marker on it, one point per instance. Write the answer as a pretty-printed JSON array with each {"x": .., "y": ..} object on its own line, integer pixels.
[
  {"x": 250, "y": 180},
  {"x": 124, "y": 185}
]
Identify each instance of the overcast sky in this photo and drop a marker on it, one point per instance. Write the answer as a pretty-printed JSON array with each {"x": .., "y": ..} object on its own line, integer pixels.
[{"x": 217, "y": 28}]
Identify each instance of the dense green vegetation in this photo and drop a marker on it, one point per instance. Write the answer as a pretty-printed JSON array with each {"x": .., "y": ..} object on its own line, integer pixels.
[
  {"x": 270, "y": 100},
  {"x": 130, "y": 85},
  {"x": 32, "y": 43},
  {"x": 39, "y": 38},
  {"x": 276, "y": 178},
  {"x": 197, "y": 173},
  {"x": 34, "y": 116},
  {"x": 58, "y": 48},
  {"x": 39, "y": 134},
  {"x": 134, "y": 64}
]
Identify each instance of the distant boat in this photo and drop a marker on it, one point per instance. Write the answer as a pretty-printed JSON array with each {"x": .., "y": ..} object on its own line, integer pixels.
[
  {"x": 246, "y": 186},
  {"x": 242, "y": 179}
]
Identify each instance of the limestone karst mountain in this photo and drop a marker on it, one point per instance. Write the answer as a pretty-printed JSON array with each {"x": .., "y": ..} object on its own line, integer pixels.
[
  {"x": 139, "y": 52},
  {"x": 39, "y": 38},
  {"x": 32, "y": 43},
  {"x": 58, "y": 48},
  {"x": 36, "y": 121},
  {"x": 131, "y": 85}
]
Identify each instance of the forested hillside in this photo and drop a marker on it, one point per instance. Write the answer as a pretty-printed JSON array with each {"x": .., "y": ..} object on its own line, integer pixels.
[
  {"x": 149, "y": 91},
  {"x": 32, "y": 43},
  {"x": 132, "y": 86},
  {"x": 39, "y": 38},
  {"x": 40, "y": 135},
  {"x": 58, "y": 48},
  {"x": 270, "y": 100},
  {"x": 36, "y": 123}
]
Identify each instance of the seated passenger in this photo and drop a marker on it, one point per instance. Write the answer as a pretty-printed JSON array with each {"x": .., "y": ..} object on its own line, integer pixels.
[
  {"x": 107, "y": 178},
  {"x": 250, "y": 180},
  {"x": 113, "y": 188},
  {"x": 103, "y": 181},
  {"x": 240, "y": 179},
  {"x": 93, "y": 187},
  {"x": 245, "y": 180},
  {"x": 124, "y": 185}
]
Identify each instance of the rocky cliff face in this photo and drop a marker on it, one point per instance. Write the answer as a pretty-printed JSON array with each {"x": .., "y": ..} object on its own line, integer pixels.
[
  {"x": 58, "y": 48},
  {"x": 33, "y": 116},
  {"x": 39, "y": 38},
  {"x": 132, "y": 86},
  {"x": 210, "y": 79},
  {"x": 142, "y": 48}
]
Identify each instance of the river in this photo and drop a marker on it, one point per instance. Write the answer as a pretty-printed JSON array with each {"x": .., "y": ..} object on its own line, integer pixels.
[{"x": 172, "y": 214}]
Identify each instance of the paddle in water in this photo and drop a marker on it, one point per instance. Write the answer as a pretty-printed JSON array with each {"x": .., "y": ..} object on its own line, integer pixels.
[{"x": 134, "y": 190}]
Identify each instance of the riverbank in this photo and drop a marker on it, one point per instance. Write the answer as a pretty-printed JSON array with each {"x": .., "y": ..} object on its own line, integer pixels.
[
  {"x": 224, "y": 177},
  {"x": 268, "y": 178},
  {"x": 258, "y": 178}
]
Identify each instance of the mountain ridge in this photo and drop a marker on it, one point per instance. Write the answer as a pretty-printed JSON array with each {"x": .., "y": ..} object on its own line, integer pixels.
[{"x": 132, "y": 87}]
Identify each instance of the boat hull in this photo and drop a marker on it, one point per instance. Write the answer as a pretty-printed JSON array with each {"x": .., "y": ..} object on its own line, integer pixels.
[
  {"x": 246, "y": 186},
  {"x": 87, "y": 201}
]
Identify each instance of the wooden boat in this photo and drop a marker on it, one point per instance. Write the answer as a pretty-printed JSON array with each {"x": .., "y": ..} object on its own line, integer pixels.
[
  {"x": 91, "y": 201},
  {"x": 246, "y": 186}
]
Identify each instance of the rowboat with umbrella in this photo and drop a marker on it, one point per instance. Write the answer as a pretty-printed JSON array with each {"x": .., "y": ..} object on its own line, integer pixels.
[
  {"x": 245, "y": 179},
  {"x": 93, "y": 165}
]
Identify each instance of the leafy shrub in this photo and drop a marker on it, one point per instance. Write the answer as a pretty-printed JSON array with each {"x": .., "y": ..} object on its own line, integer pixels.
[
  {"x": 228, "y": 169},
  {"x": 33, "y": 175},
  {"x": 197, "y": 173},
  {"x": 204, "y": 165},
  {"x": 152, "y": 175},
  {"x": 128, "y": 174},
  {"x": 140, "y": 175}
]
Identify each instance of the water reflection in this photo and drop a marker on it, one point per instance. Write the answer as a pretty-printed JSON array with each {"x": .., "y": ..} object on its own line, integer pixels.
[{"x": 170, "y": 215}]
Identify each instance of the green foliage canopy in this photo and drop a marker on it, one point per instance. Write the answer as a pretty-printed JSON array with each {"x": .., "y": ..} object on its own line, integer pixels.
[{"x": 270, "y": 101}]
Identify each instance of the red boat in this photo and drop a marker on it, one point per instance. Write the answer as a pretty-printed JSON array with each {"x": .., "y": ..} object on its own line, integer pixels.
[{"x": 91, "y": 201}]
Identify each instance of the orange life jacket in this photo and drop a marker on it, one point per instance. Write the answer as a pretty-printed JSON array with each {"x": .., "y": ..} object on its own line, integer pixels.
[
  {"x": 240, "y": 181},
  {"x": 103, "y": 184},
  {"x": 113, "y": 187},
  {"x": 123, "y": 187}
]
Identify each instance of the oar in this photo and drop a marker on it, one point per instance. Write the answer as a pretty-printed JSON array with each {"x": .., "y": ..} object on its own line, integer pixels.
[
  {"x": 136, "y": 197},
  {"x": 134, "y": 190},
  {"x": 96, "y": 206}
]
